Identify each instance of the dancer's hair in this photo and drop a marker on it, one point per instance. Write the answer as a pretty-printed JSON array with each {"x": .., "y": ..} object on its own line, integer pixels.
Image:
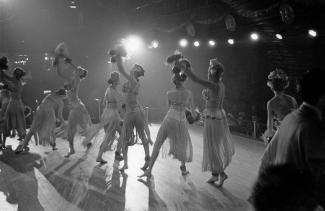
[
  {"x": 19, "y": 73},
  {"x": 176, "y": 60},
  {"x": 137, "y": 71},
  {"x": 4, "y": 63},
  {"x": 84, "y": 72},
  {"x": 278, "y": 80},
  {"x": 178, "y": 77},
  {"x": 115, "y": 76}
]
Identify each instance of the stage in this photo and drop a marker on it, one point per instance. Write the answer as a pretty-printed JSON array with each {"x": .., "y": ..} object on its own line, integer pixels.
[{"x": 45, "y": 180}]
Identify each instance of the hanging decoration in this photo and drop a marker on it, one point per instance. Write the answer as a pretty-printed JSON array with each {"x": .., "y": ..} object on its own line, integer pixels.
[
  {"x": 230, "y": 23},
  {"x": 287, "y": 13},
  {"x": 252, "y": 13},
  {"x": 190, "y": 30},
  {"x": 210, "y": 21}
]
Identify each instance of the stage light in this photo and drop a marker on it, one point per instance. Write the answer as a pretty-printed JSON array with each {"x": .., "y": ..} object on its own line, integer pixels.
[
  {"x": 279, "y": 36},
  {"x": 154, "y": 44},
  {"x": 132, "y": 44},
  {"x": 231, "y": 41},
  {"x": 312, "y": 33},
  {"x": 254, "y": 36},
  {"x": 212, "y": 42},
  {"x": 183, "y": 43},
  {"x": 196, "y": 43}
]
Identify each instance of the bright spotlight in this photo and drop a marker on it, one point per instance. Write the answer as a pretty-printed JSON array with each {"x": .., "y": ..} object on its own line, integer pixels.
[
  {"x": 212, "y": 42},
  {"x": 231, "y": 41},
  {"x": 132, "y": 44},
  {"x": 196, "y": 43},
  {"x": 183, "y": 43},
  {"x": 254, "y": 36},
  {"x": 279, "y": 36},
  {"x": 154, "y": 44},
  {"x": 312, "y": 33}
]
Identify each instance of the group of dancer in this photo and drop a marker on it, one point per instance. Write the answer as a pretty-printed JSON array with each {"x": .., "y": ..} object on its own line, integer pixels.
[{"x": 125, "y": 115}]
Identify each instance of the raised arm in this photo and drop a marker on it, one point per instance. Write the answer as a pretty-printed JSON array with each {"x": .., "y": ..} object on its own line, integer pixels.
[
  {"x": 188, "y": 71},
  {"x": 62, "y": 62},
  {"x": 121, "y": 69}
]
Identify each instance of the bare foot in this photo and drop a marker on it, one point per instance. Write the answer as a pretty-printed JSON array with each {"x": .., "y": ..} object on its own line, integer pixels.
[
  {"x": 213, "y": 179},
  {"x": 71, "y": 152},
  {"x": 124, "y": 167},
  {"x": 100, "y": 160},
  {"x": 145, "y": 166},
  {"x": 145, "y": 174},
  {"x": 223, "y": 177}
]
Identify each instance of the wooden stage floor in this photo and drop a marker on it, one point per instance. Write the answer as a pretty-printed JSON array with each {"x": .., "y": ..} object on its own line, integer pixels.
[{"x": 46, "y": 180}]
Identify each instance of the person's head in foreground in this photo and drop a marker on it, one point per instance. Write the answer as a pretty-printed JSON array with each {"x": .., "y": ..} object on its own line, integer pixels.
[
  {"x": 312, "y": 86},
  {"x": 285, "y": 188}
]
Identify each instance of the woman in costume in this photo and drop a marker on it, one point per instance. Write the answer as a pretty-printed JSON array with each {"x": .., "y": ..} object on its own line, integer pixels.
[
  {"x": 280, "y": 105},
  {"x": 44, "y": 121},
  {"x": 277, "y": 108},
  {"x": 4, "y": 100},
  {"x": 174, "y": 124},
  {"x": 134, "y": 117},
  {"x": 14, "y": 115},
  {"x": 110, "y": 120},
  {"x": 78, "y": 115},
  {"x": 218, "y": 148}
]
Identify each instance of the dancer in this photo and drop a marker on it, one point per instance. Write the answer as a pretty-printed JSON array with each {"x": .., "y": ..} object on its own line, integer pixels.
[
  {"x": 134, "y": 117},
  {"x": 4, "y": 100},
  {"x": 218, "y": 148},
  {"x": 78, "y": 115},
  {"x": 280, "y": 105},
  {"x": 174, "y": 126},
  {"x": 110, "y": 120},
  {"x": 44, "y": 121},
  {"x": 14, "y": 115}
]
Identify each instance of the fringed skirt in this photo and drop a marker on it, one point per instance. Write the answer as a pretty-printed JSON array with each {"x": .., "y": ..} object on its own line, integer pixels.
[
  {"x": 269, "y": 155},
  {"x": 78, "y": 121},
  {"x": 110, "y": 121},
  {"x": 218, "y": 148},
  {"x": 179, "y": 143},
  {"x": 44, "y": 125},
  {"x": 134, "y": 119},
  {"x": 15, "y": 117}
]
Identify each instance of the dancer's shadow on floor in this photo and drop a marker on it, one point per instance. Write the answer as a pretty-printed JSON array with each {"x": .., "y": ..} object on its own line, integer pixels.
[
  {"x": 105, "y": 190},
  {"x": 18, "y": 181},
  {"x": 155, "y": 202}
]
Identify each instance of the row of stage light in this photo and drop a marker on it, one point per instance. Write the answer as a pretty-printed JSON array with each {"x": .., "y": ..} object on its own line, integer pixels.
[{"x": 133, "y": 43}]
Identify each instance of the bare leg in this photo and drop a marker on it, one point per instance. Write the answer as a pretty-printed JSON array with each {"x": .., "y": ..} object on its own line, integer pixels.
[
  {"x": 183, "y": 169},
  {"x": 161, "y": 137},
  {"x": 119, "y": 147},
  {"x": 24, "y": 144},
  {"x": 105, "y": 145},
  {"x": 125, "y": 155},
  {"x": 71, "y": 133},
  {"x": 223, "y": 177},
  {"x": 145, "y": 144}
]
